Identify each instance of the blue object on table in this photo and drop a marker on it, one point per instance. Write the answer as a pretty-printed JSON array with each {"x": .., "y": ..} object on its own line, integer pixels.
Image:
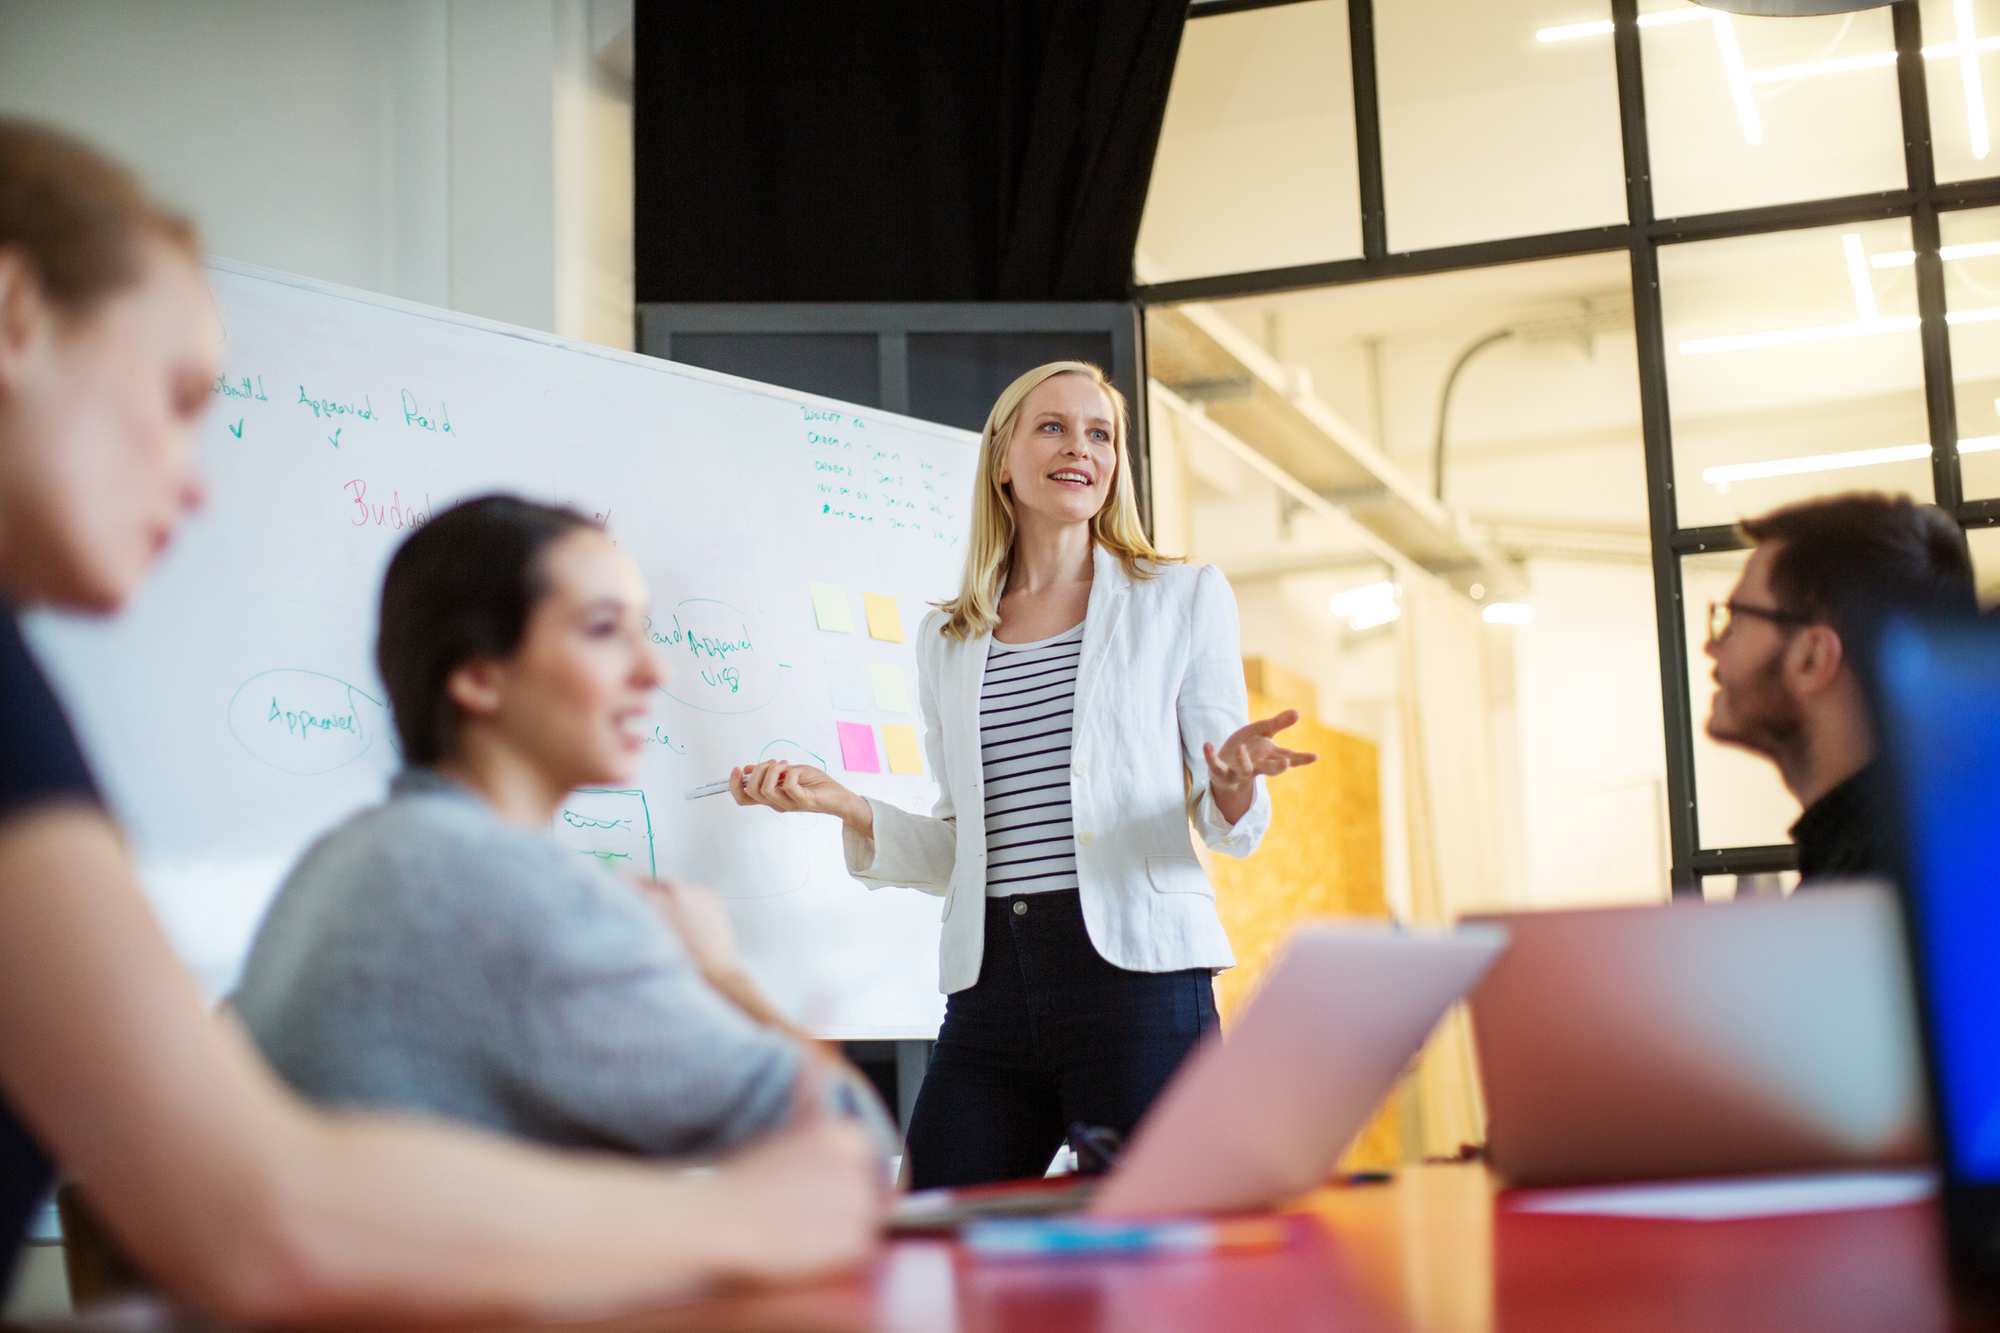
[{"x": 1055, "y": 1237}]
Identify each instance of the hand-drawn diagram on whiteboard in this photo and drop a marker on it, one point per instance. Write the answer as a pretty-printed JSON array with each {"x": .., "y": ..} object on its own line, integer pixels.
[
  {"x": 304, "y": 722},
  {"x": 610, "y": 824},
  {"x": 716, "y": 659},
  {"x": 792, "y": 542}
]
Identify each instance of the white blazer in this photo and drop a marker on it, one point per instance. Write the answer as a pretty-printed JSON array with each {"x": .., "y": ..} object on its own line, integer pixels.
[{"x": 1161, "y": 673}]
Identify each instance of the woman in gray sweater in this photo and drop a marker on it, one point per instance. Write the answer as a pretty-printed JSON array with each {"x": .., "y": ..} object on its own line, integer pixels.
[{"x": 442, "y": 953}]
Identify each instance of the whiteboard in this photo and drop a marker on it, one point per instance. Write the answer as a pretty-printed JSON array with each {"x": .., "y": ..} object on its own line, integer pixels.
[{"x": 233, "y": 711}]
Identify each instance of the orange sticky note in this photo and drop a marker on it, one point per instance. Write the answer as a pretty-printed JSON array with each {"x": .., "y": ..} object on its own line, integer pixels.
[
  {"x": 901, "y": 743},
  {"x": 885, "y": 622}
]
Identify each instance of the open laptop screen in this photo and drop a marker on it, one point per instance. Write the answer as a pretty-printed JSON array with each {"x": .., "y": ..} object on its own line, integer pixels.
[{"x": 1940, "y": 690}]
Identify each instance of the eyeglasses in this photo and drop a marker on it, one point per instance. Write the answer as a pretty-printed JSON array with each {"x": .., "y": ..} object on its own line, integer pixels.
[{"x": 1722, "y": 617}]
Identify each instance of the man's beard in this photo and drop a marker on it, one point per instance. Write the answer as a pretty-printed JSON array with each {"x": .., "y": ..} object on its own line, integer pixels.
[{"x": 1764, "y": 718}]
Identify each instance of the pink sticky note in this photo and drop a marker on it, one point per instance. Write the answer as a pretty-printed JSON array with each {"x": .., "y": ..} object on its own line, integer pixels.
[{"x": 857, "y": 748}]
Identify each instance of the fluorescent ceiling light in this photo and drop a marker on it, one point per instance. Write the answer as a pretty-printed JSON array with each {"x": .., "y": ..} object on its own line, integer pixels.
[
  {"x": 1967, "y": 47},
  {"x": 1508, "y": 613},
  {"x": 1871, "y": 321},
  {"x": 1723, "y": 477},
  {"x": 1857, "y": 277},
  {"x": 1725, "y": 44},
  {"x": 1388, "y": 615},
  {"x": 1667, "y": 18},
  {"x": 1369, "y": 606},
  {"x": 1946, "y": 50},
  {"x": 1968, "y": 71},
  {"x": 1729, "y": 473},
  {"x": 1948, "y": 253},
  {"x": 1817, "y": 333},
  {"x": 1739, "y": 80}
]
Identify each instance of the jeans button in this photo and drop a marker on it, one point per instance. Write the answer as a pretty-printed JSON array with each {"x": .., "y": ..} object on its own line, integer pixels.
[{"x": 1020, "y": 908}]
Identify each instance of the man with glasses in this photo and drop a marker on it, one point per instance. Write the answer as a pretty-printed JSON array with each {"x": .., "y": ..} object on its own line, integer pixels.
[{"x": 1790, "y": 648}]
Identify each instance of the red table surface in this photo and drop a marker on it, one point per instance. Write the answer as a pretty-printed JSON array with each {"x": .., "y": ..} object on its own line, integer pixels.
[{"x": 1437, "y": 1250}]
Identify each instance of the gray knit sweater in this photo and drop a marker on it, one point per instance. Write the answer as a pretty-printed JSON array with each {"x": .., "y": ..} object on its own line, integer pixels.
[{"x": 425, "y": 956}]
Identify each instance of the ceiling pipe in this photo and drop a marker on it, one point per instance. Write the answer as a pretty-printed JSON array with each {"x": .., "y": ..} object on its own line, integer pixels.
[{"x": 1444, "y": 402}]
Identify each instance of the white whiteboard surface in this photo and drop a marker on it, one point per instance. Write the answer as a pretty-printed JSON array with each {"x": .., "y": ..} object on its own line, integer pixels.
[{"x": 233, "y": 711}]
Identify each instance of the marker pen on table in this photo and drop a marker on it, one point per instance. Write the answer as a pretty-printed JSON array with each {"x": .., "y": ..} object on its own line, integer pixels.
[{"x": 1042, "y": 1238}]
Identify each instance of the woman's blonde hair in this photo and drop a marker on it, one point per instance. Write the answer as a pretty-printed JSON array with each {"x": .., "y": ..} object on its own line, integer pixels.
[
  {"x": 78, "y": 217},
  {"x": 1115, "y": 527}
]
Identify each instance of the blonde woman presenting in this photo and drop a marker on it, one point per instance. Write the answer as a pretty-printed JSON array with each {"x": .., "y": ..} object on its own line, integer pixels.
[{"x": 1083, "y": 703}]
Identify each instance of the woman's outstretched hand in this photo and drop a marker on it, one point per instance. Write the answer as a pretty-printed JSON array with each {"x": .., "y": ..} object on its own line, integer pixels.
[
  {"x": 794, "y": 788},
  {"x": 1235, "y": 765}
]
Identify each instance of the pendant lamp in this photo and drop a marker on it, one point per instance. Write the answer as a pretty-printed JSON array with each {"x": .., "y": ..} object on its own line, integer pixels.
[{"x": 1780, "y": 9}]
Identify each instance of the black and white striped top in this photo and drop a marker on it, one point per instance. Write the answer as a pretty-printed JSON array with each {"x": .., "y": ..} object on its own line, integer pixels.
[{"x": 1027, "y": 703}]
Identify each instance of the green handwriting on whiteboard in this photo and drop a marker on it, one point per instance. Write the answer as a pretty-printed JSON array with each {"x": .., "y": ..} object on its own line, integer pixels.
[
  {"x": 303, "y": 722},
  {"x": 241, "y": 388},
  {"x": 714, "y": 661},
  {"x": 660, "y": 736},
  {"x": 417, "y": 416},
  {"x": 577, "y": 821},
  {"x": 324, "y": 409},
  {"x": 611, "y": 825}
]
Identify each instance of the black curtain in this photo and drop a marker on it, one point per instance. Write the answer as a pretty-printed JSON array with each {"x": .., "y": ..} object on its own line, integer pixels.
[{"x": 895, "y": 150}]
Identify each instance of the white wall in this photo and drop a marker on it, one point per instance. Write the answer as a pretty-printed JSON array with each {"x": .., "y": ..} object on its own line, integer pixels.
[
  {"x": 1592, "y": 758},
  {"x": 464, "y": 153}
]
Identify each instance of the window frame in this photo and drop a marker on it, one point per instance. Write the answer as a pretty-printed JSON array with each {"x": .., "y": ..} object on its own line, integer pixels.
[{"x": 1642, "y": 237}]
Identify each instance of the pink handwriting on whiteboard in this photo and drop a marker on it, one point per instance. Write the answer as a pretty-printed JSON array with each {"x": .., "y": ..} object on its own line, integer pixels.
[{"x": 363, "y": 513}]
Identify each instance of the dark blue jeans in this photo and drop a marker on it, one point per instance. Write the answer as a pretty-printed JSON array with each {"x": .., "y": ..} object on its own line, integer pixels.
[{"x": 1049, "y": 1035}]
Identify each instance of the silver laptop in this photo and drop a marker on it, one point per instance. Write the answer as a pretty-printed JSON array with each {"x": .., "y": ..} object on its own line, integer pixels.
[
  {"x": 1701, "y": 1039},
  {"x": 1264, "y": 1113}
]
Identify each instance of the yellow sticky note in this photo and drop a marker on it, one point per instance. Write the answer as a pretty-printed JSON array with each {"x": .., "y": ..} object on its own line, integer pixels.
[
  {"x": 830, "y": 608},
  {"x": 891, "y": 694},
  {"x": 885, "y": 622},
  {"x": 901, "y": 743}
]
